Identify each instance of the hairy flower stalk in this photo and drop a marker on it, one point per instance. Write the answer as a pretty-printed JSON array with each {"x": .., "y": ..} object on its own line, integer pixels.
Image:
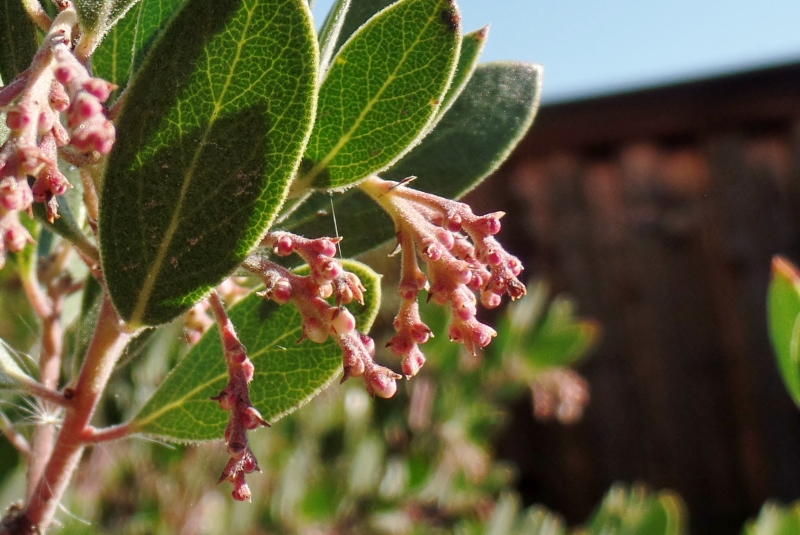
[
  {"x": 235, "y": 398},
  {"x": 56, "y": 82},
  {"x": 462, "y": 258},
  {"x": 309, "y": 293}
]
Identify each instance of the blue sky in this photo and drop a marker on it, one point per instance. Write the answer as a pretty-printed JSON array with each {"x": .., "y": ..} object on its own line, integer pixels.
[{"x": 591, "y": 47}]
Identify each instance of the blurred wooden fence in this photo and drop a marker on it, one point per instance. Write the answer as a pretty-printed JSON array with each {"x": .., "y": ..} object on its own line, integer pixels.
[{"x": 659, "y": 211}]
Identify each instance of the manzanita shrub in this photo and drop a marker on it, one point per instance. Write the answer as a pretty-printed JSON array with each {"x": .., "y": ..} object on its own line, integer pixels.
[{"x": 190, "y": 154}]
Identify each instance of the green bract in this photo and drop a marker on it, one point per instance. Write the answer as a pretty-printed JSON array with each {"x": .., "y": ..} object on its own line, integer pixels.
[
  {"x": 288, "y": 373},
  {"x": 209, "y": 138}
]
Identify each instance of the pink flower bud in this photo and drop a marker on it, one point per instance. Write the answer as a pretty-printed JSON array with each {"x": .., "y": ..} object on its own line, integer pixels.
[
  {"x": 17, "y": 120},
  {"x": 454, "y": 223},
  {"x": 490, "y": 299},
  {"x": 241, "y": 493},
  {"x": 368, "y": 343},
  {"x": 248, "y": 369},
  {"x": 46, "y": 121},
  {"x": 17, "y": 238},
  {"x": 314, "y": 330},
  {"x": 482, "y": 334},
  {"x": 413, "y": 362},
  {"x": 282, "y": 292},
  {"x": 284, "y": 246},
  {"x": 85, "y": 106},
  {"x": 324, "y": 247},
  {"x": 446, "y": 238},
  {"x": 99, "y": 88},
  {"x": 382, "y": 383},
  {"x": 227, "y": 400},
  {"x": 65, "y": 73},
  {"x": 252, "y": 419},
  {"x": 420, "y": 333},
  {"x": 342, "y": 321},
  {"x": 399, "y": 345},
  {"x": 249, "y": 464}
]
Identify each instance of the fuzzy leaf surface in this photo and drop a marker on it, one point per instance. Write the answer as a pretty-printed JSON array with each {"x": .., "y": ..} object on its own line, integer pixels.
[
  {"x": 99, "y": 16},
  {"x": 329, "y": 33},
  {"x": 474, "y": 137},
  {"x": 19, "y": 39},
  {"x": 359, "y": 13},
  {"x": 472, "y": 46},
  {"x": 124, "y": 48},
  {"x": 783, "y": 317},
  {"x": 382, "y": 91},
  {"x": 287, "y": 374},
  {"x": 210, "y": 135}
]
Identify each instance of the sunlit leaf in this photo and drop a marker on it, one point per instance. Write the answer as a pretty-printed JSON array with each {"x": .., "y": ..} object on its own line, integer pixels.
[
  {"x": 209, "y": 137},
  {"x": 381, "y": 92},
  {"x": 124, "y": 48},
  {"x": 474, "y": 137}
]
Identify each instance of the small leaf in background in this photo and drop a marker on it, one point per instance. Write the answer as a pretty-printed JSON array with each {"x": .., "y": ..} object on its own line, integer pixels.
[
  {"x": 210, "y": 136},
  {"x": 19, "y": 40},
  {"x": 561, "y": 339},
  {"x": 637, "y": 511},
  {"x": 775, "y": 519},
  {"x": 485, "y": 123},
  {"x": 783, "y": 312},
  {"x": 381, "y": 92},
  {"x": 287, "y": 373},
  {"x": 125, "y": 47}
]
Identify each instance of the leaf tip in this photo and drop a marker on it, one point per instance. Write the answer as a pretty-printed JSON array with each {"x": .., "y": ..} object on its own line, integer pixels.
[
  {"x": 451, "y": 18},
  {"x": 781, "y": 267}
]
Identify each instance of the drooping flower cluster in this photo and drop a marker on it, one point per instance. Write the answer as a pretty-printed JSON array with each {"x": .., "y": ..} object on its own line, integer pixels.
[
  {"x": 462, "y": 257},
  {"x": 309, "y": 294},
  {"x": 56, "y": 82},
  {"x": 235, "y": 398}
]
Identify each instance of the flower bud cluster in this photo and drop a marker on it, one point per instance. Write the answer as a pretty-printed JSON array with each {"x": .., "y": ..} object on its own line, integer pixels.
[
  {"x": 462, "y": 257},
  {"x": 309, "y": 294},
  {"x": 235, "y": 398},
  {"x": 55, "y": 83},
  {"x": 559, "y": 393}
]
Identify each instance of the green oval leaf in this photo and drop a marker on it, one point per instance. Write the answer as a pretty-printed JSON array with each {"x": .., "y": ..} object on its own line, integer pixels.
[
  {"x": 783, "y": 313},
  {"x": 210, "y": 135},
  {"x": 126, "y": 45},
  {"x": 360, "y": 12},
  {"x": 288, "y": 373},
  {"x": 97, "y": 17},
  {"x": 472, "y": 46},
  {"x": 382, "y": 91},
  {"x": 329, "y": 33},
  {"x": 474, "y": 137},
  {"x": 478, "y": 133},
  {"x": 19, "y": 39}
]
